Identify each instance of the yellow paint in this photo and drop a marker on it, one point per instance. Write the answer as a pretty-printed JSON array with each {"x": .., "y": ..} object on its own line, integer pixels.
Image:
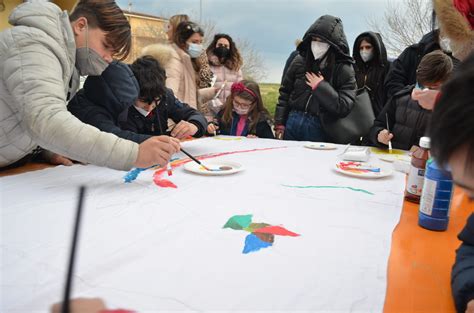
[{"x": 394, "y": 151}]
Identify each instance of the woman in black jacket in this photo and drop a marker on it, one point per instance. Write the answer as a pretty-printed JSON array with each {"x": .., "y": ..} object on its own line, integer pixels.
[
  {"x": 371, "y": 66},
  {"x": 320, "y": 81}
]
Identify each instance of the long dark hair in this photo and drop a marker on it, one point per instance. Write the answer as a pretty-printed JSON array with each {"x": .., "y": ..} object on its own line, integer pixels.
[
  {"x": 184, "y": 31},
  {"x": 257, "y": 112},
  {"x": 234, "y": 60}
]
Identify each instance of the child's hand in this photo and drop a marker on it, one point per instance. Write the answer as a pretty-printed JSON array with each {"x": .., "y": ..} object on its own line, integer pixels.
[
  {"x": 313, "y": 80},
  {"x": 251, "y": 136},
  {"x": 82, "y": 305},
  {"x": 279, "y": 131},
  {"x": 212, "y": 129},
  {"x": 184, "y": 129},
  {"x": 384, "y": 137},
  {"x": 156, "y": 150},
  {"x": 426, "y": 98}
]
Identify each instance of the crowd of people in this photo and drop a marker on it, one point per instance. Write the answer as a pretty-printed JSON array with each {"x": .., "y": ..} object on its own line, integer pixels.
[{"x": 134, "y": 115}]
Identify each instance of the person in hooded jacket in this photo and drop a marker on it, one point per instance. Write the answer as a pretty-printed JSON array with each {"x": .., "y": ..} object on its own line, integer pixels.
[
  {"x": 113, "y": 102},
  {"x": 371, "y": 67},
  {"x": 320, "y": 80},
  {"x": 402, "y": 72}
]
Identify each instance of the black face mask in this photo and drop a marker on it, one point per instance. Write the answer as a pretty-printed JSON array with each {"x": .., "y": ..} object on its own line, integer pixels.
[{"x": 222, "y": 52}]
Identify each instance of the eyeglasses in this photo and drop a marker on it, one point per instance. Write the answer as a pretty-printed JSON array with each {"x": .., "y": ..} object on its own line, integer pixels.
[
  {"x": 149, "y": 101},
  {"x": 243, "y": 105},
  {"x": 194, "y": 28}
]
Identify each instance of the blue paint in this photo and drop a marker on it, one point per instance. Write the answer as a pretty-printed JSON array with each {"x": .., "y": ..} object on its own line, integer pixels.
[{"x": 253, "y": 243}]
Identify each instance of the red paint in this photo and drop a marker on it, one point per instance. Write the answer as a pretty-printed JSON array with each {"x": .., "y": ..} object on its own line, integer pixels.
[
  {"x": 168, "y": 184},
  {"x": 276, "y": 230}
]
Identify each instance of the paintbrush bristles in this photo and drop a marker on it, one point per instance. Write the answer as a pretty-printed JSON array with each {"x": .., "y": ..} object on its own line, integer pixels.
[{"x": 194, "y": 159}]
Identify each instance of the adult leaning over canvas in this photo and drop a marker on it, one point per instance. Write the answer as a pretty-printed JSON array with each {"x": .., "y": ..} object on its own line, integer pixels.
[{"x": 41, "y": 58}]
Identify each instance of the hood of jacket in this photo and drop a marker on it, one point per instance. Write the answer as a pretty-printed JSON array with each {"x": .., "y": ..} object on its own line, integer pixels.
[
  {"x": 45, "y": 16},
  {"x": 163, "y": 53},
  {"x": 456, "y": 27},
  {"x": 115, "y": 90},
  {"x": 330, "y": 29},
  {"x": 380, "y": 52}
]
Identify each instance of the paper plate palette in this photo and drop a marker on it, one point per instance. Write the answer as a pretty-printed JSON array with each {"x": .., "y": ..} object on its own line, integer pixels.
[
  {"x": 217, "y": 168},
  {"x": 362, "y": 170},
  {"x": 320, "y": 146}
]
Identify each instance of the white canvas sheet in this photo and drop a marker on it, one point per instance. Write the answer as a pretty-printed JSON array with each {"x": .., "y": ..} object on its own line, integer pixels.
[{"x": 153, "y": 249}]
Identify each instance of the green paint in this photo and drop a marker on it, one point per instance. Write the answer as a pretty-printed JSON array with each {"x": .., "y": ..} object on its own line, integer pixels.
[
  {"x": 331, "y": 187},
  {"x": 239, "y": 222},
  {"x": 254, "y": 226}
]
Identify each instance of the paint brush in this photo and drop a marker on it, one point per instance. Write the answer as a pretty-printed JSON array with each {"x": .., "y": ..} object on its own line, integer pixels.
[
  {"x": 67, "y": 289},
  {"x": 388, "y": 128},
  {"x": 169, "y": 169},
  {"x": 195, "y": 160}
]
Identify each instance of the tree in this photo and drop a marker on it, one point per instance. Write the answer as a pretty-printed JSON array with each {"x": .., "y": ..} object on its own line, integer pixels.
[{"x": 404, "y": 24}]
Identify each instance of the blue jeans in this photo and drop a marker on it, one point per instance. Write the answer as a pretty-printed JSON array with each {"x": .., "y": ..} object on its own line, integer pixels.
[{"x": 301, "y": 126}]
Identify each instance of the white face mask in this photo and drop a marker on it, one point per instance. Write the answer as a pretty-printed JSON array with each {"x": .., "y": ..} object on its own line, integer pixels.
[
  {"x": 241, "y": 110},
  {"x": 142, "y": 111},
  {"x": 195, "y": 50},
  {"x": 319, "y": 49},
  {"x": 366, "y": 55}
]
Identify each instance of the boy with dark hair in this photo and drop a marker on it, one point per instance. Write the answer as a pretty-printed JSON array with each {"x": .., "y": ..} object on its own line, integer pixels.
[
  {"x": 41, "y": 58},
  {"x": 452, "y": 144},
  {"x": 407, "y": 117},
  {"x": 133, "y": 103},
  {"x": 156, "y": 103}
]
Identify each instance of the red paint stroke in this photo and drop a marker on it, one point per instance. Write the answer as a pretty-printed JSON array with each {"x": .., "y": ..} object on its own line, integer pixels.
[
  {"x": 276, "y": 230},
  {"x": 354, "y": 167},
  {"x": 166, "y": 183}
]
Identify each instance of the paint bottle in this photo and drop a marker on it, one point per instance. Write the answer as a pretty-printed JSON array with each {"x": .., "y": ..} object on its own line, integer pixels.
[
  {"x": 416, "y": 175},
  {"x": 435, "y": 198}
]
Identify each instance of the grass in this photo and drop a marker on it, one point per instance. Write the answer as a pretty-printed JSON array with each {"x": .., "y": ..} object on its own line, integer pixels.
[{"x": 270, "y": 96}]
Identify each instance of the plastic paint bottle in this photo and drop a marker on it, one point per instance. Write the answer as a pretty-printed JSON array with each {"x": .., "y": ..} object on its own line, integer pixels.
[
  {"x": 416, "y": 175},
  {"x": 436, "y": 198}
]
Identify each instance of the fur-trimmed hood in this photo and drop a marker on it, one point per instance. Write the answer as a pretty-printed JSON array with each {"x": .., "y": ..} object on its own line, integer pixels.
[
  {"x": 456, "y": 27},
  {"x": 163, "y": 53}
]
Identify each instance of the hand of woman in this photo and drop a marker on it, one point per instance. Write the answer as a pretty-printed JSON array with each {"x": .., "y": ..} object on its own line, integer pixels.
[
  {"x": 313, "y": 80},
  {"x": 384, "y": 137},
  {"x": 279, "y": 131}
]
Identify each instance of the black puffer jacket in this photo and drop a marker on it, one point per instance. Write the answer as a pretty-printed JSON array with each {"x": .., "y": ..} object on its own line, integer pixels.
[
  {"x": 408, "y": 121},
  {"x": 156, "y": 123},
  {"x": 462, "y": 276},
  {"x": 104, "y": 97},
  {"x": 335, "y": 94},
  {"x": 372, "y": 74}
]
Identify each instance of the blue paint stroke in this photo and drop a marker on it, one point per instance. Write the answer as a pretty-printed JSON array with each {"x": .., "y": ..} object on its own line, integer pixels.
[
  {"x": 331, "y": 187},
  {"x": 253, "y": 244},
  {"x": 133, "y": 174}
]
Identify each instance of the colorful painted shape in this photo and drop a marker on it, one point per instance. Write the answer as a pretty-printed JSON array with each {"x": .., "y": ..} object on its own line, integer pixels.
[
  {"x": 276, "y": 230},
  {"x": 253, "y": 244},
  {"x": 239, "y": 222},
  {"x": 262, "y": 235}
]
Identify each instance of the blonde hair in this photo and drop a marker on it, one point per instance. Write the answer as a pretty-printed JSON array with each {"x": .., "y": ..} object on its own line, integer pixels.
[{"x": 174, "y": 22}]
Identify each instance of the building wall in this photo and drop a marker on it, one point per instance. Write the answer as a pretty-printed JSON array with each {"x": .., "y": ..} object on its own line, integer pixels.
[{"x": 145, "y": 31}]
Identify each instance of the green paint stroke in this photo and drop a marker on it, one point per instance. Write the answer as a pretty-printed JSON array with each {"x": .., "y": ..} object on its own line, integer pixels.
[
  {"x": 239, "y": 222},
  {"x": 254, "y": 226},
  {"x": 331, "y": 187}
]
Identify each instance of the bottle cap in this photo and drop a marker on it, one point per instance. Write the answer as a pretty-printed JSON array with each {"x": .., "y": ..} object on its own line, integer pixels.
[{"x": 425, "y": 142}]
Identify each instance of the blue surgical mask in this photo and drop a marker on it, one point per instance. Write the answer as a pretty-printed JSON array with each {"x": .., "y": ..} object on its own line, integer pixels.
[{"x": 195, "y": 50}]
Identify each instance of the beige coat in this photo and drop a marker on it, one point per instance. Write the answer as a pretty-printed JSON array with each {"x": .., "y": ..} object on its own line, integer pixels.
[
  {"x": 37, "y": 59},
  {"x": 180, "y": 75},
  {"x": 456, "y": 27}
]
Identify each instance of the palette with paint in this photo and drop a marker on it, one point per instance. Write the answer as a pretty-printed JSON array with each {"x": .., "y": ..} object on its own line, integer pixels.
[
  {"x": 362, "y": 169},
  {"x": 320, "y": 146},
  {"x": 215, "y": 167}
]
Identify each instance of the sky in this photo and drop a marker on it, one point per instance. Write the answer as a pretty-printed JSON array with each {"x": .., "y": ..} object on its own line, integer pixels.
[{"x": 271, "y": 26}]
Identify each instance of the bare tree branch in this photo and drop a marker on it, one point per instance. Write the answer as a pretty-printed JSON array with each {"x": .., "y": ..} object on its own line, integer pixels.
[{"x": 404, "y": 24}]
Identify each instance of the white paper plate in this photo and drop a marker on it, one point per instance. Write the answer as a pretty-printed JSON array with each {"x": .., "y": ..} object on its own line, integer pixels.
[
  {"x": 214, "y": 165},
  {"x": 320, "y": 146},
  {"x": 384, "y": 172}
]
